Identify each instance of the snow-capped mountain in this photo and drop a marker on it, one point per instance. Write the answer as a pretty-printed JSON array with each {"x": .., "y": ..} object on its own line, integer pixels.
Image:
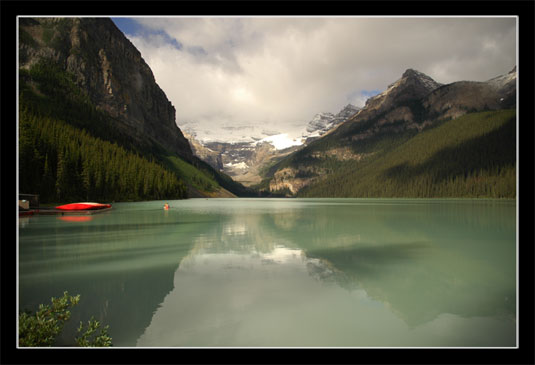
[
  {"x": 347, "y": 112},
  {"x": 320, "y": 123},
  {"x": 240, "y": 155},
  {"x": 325, "y": 122}
]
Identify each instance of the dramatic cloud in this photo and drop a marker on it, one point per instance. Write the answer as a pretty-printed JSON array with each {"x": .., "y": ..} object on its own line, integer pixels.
[{"x": 256, "y": 73}]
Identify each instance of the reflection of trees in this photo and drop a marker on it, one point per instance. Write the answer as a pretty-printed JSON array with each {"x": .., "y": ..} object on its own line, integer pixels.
[
  {"x": 286, "y": 220},
  {"x": 422, "y": 270},
  {"x": 123, "y": 300},
  {"x": 120, "y": 278},
  {"x": 124, "y": 267},
  {"x": 418, "y": 285}
]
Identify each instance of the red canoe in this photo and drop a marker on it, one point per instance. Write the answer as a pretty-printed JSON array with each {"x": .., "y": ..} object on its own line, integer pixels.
[{"x": 83, "y": 206}]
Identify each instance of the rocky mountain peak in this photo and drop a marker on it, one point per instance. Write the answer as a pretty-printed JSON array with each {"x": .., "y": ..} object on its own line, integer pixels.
[
  {"x": 410, "y": 73},
  {"x": 320, "y": 122},
  {"x": 324, "y": 122},
  {"x": 413, "y": 85},
  {"x": 348, "y": 110},
  {"x": 350, "y": 106},
  {"x": 420, "y": 78}
]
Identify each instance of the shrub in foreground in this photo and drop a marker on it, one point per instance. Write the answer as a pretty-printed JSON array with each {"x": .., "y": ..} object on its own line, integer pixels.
[{"x": 41, "y": 328}]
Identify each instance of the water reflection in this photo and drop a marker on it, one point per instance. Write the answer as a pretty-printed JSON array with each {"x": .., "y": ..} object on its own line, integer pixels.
[
  {"x": 82, "y": 218},
  {"x": 246, "y": 272},
  {"x": 421, "y": 258},
  {"x": 252, "y": 266},
  {"x": 122, "y": 265}
]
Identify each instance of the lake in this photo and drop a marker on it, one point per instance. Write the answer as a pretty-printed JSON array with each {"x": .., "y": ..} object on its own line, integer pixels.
[{"x": 282, "y": 272}]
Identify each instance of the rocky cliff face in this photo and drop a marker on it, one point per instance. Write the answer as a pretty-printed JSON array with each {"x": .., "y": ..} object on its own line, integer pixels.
[
  {"x": 458, "y": 98},
  {"x": 213, "y": 158},
  {"x": 242, "y": 161},
  {"x": 290, "y": 179},
  {"x": 110, "y": 70}
]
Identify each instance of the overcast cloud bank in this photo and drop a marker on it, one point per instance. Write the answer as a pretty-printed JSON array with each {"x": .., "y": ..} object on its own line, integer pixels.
[{"x": 234, "y": 77}]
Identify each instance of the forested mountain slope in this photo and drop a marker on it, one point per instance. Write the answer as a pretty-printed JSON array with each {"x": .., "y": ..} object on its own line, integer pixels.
[
  {"x": 471, "y": 156},
  {"x": 399, "y": 116},
  {"x": 114, "y": 132}
]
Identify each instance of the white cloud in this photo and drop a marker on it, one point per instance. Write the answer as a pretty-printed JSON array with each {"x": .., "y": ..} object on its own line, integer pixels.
[{"x": 277, "y": 73}]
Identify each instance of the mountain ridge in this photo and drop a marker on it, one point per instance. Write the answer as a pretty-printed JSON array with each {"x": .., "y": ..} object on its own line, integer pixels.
[{"x": 410, "y": 105}]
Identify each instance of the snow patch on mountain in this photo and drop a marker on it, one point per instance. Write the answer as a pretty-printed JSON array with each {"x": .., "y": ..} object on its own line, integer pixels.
[
  {"x": 321, "y": 121},
  {"x": 254, "y": 134},
  {"x": 239, "y": 165},
  {"x": 324, "y": 122},
  {"x": 281, "y": 141},
  {"x": 502, "y": 80}
]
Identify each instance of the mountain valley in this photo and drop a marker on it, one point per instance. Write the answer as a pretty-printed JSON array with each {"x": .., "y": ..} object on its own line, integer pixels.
[
  {"x": 94, "y": 125},
  {"x": 245, "y": 161}
]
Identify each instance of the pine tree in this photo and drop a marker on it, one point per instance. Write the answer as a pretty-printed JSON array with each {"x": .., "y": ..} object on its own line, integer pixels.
[{"x": 61, "y": 179}]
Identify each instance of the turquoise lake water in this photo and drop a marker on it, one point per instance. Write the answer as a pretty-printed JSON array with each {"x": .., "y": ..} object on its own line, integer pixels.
[{"x": 282, "y": 272}]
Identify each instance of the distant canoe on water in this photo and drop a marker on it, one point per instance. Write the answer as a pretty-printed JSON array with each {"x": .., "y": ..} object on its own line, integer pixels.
[{"x": 83, "y": 206}]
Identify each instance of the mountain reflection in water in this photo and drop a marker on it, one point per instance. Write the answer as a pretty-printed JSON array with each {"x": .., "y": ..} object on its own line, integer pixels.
[{"x": 285, "y": 273}]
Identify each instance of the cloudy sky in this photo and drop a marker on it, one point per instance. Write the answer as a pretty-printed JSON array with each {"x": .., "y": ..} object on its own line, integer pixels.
[{"x": 237, "y": 77}]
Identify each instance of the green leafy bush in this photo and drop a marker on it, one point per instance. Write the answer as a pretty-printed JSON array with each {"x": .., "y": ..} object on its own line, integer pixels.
[
  {"x": 90, "y": 338},
  {"x": 42, "y": 328}
]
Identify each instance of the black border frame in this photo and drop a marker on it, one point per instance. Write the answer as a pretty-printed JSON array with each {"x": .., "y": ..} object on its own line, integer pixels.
[{"x": 524, "y": 354}]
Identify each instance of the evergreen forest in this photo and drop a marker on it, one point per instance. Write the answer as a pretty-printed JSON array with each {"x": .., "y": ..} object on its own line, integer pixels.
[
  {"x": 69, "y": 150},
  {"x": 63, "y": 163},
  {"x": 473, "y": 156}
]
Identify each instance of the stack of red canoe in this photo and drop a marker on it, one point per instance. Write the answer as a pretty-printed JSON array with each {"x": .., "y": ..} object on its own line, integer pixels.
[{"x": 83, "y": 206}]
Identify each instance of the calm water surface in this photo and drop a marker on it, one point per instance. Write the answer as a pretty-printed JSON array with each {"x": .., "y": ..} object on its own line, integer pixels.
[{"x": 282, "y": 272}]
